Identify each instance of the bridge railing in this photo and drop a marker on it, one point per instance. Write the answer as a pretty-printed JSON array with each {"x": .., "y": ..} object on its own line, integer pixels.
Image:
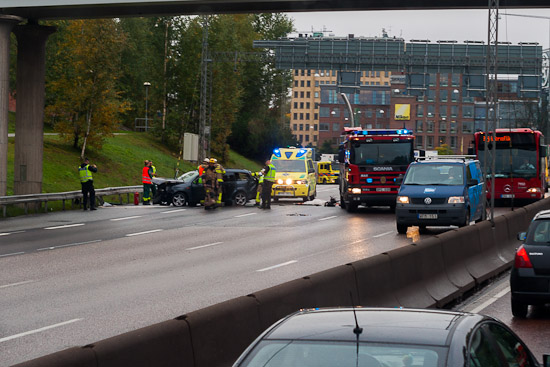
[{"x": 36, "y": 200}]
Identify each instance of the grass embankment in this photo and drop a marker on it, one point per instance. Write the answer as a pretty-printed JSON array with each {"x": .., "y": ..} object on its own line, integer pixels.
[{"x": 119, "y": 163}]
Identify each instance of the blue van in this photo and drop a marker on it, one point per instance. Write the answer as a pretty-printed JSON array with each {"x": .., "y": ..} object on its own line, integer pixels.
[{"x": 440, "y": 192}]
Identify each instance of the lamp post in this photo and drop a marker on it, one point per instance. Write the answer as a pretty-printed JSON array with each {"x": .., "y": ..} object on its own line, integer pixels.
[{"x": 146, "y": 85}]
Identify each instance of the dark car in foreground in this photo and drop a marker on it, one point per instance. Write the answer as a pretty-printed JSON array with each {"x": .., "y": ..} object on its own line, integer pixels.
[
  {"x": 377, "y": 337},
  {"x": 238, "y": 187},
  {"x": 530, "y": 276}
]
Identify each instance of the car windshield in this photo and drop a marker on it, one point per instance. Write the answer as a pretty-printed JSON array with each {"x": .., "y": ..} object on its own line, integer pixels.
[
  {"x": 282, "y": 165},
  {"x": 281, "y": 353},
  {"x": 188, "y": 176},
  {"x": 382, "y": 153},
  {"x": 434, "y": 174},
  {"x": 539, "y": 233}
]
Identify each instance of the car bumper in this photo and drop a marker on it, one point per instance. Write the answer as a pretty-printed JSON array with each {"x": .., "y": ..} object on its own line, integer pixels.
[
  {"x": 527, "y": 287},
  {"x": 434, "y": 215},
  {"x": 290, "y": 191},
  {"x": 373, "y": 199}
]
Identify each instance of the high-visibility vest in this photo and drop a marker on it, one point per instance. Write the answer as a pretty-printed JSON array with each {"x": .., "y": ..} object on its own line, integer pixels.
[
  {"x": 220, "y": 171},
  {"x": 154, "y": 170},
  {"x": 146, "y": 179},
  {"x": 85, "y": 173},
  {"x": 270, "y": 176}
]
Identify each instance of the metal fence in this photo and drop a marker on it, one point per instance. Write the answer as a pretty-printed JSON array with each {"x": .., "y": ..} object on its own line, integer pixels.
[{"x": 33, "y": 199}]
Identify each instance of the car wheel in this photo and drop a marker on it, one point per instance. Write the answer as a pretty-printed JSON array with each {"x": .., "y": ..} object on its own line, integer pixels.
[
  {"x": 179, "y": 199},
  {"x": 467, "y": 219},
  {"x": 240, "y": 198},
  {"x": 401, "y": 228},
  {"x": 519, "y": 309}
]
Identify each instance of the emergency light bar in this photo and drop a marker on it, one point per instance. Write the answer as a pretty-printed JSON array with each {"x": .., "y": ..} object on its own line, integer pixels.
[
  {"x": 380, "y": 132},
  {"x": 277, "y": 153}
]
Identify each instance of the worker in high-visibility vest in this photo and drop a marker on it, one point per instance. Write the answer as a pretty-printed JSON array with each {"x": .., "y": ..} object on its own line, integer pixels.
[
  {"x": 87, "y": 182},
  {"x": 269, "y": 171},
  {"x": 147, "y": 180},
  {"x": 220, "y": 171},
  {"x": 260, "y": 177}
]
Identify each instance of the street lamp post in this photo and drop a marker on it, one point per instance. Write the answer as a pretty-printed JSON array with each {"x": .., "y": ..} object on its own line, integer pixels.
[{"x": 146, "y": 85}]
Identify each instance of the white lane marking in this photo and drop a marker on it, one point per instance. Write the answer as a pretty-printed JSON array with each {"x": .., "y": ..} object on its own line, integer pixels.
[
  {"x": 333, "y": 216},
  {"x": 203, "y": 246},
  {"x": 8, "y": 233},
  {"x": 491, "y": 300},
  {"x": 16, "y": 284},
  {"x": 173, "y": 211},
  {"x": 38, "y": 330},
  {"x": 125, "y": 218},
  {"x": 146, "y": 232},
  {"x": 354, "y": 242},
  {"x": 66, "y": 226},
  {"x": 68, "y": 245},
  {"x": 278, "y": 265},
  {"x": 245, "y": 215},
  {"x": 12, "y": 254},
  {"x": 382, "y": 234}
]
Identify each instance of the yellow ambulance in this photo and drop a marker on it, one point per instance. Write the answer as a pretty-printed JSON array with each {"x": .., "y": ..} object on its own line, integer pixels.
[
  {"x": 295, "y": 176},
  {"x": 327, "y": 172}
]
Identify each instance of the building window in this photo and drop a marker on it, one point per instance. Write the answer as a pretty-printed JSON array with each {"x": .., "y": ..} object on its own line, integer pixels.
[
  {"x": 431, "y": 95},
  {"x": 302, "y": 72},
  {"x": 324, "y": 112},
  {"x": 443, "y": 127},
  {"x": 336, "y": 126},
  {"x": 295, "y": 105},
  {"x": 295, "y": 127},
  {"x": 308, "y": 83},
  {"x": 442, "y": 140},
  {"x": 296, "y": 83},
  {"x": 455, "y": 80},
  {"x": 453, "y": 142},
  {"x": 323, "y": 126},
  {"x": 301, "y": 83},
  {"x": 307, "y": 116},
  {"x": 316, "y": 116},
  {"x": 308, "y": 105},
  {"x": 432, "y": 79},
  {"x": 314, "y": 137},
  {"x": 315, "y": 127},
  {"x": 420, "y": 98},
  {"x": 316, "y": 95},
  {"x": 295, "y": 94},
  {"x": 309, "y": 73},
  {"x": 419, "y": 110},
  {"x": 453, "y": 127},
  {"x": 301, "y": 94},
  {"x": 443, "y": 80},
  {"x": 301, "y": 105},
  {"x": 443, "y": 95},
  {"x": 430, "y": 126},
  {"x": 455, "y": 96},
  {"x": 301, "y": 116},
  {"x": 316, "y": 84},
  {"x": 295, "y": 116},
  {"x": 301, "y": 138},
  {"x": 336, "y": 111},
  {"x": 467, "y": 127},
  {"x": 419, "y": 142},
  {"x": 419, "y": 126},
  {"x": 454, "y": 111},
  {"x": 429, "y": 141},
  {"x": 301, "y": 127},
  {"x": 467, "y": 111},
  {"x": 308, "y": 94},
  {"x": 443, "y": 111},
  {"x": 296, "y": 72},
  {"x": 430, "y": 110},
  {"x": 307, "y": 137}
]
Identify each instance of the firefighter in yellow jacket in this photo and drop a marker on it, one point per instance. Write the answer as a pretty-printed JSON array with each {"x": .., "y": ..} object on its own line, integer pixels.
[
  {"x": 210, "y": 182},
  {"x": 220, "y": 171}
]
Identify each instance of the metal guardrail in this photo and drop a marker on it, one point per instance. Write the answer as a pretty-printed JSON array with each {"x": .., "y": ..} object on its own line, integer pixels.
[{"x": 26, "y": 200}]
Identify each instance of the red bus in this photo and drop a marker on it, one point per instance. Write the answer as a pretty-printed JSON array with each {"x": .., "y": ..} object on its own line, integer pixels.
[
  {"x": 371, "y": 161},
  {"x": 520, "y": 164}
]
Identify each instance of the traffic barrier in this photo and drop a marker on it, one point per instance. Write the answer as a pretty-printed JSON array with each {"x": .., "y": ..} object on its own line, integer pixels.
[
  {"x": 502, "y": 240},
  {"x": 72, "y": 357},
  {"x": 516, "y": 224},
  {"x": 474, "y": 261},
  {"x": 161, "y": 345},
  {"x": 406, "y": 281},
  {"x": 221, "y": 332},
  {"x": 432, "y": 270},
  {"x": 373, "y": 275},
  {"x": 454, "y": 256},
  {"x": 335, "y": 287},
  {"x": 488, "y": 248},
  {"x": 277, "y": 302}
]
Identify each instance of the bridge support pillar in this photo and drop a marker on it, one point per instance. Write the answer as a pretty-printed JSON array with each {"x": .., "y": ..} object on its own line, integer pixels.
[
  {"x": 29, "y": 120},
  {"x": 7, "y": 22}
]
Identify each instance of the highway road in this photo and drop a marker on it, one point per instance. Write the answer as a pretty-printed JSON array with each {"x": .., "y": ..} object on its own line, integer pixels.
[{"x": 72, "y": 278}]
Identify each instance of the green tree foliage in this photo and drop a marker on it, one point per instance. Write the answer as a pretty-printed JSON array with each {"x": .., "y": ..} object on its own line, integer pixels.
[
  {"x": 85, "y": 103},
  {"x": 444, "y": 149}
]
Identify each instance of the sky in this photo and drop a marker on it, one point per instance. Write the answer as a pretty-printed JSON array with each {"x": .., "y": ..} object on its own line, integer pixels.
[{"x": 434, "y": 25}]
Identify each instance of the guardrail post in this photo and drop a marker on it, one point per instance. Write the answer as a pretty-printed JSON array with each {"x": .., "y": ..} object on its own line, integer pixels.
[
  {"x": 46, "y": 206},
  {"x": 63, "y": 205}
]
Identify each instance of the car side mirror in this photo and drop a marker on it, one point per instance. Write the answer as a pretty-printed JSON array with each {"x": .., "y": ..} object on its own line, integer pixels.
[
  {"x": 399, "y": 180},
  {"x": 546, "y": 360},
  {"x": 521, "y": 237},
  {"x": 473, "y": 182}
]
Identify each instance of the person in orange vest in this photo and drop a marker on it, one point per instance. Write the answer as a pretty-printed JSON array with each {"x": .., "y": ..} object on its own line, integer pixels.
[{"x": 147, "y": 180}]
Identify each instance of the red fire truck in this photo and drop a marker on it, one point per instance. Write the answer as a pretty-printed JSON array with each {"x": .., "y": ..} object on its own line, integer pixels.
[{"x": 371, "y": 161}]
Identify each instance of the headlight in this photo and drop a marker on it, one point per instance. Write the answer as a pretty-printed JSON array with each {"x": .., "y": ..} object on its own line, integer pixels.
[
  {"x": 288, "y": 181},
  {"x": 280, "y": 181},
  {"x": 301, "y": 182},
  {"x": 456, "y": 200},
  {"x": 356, "y": 190},
  {"x": 533, "y": 190},
  {"x": 403, "y": 200}
]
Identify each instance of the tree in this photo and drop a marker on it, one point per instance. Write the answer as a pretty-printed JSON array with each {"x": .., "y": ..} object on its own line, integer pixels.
[
  {"x": 85, "y": 103},
  {"x": 444, "y": 149}
]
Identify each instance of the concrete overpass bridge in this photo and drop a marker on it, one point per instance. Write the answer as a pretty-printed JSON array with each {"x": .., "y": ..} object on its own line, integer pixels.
[{"x": 23, "y": 16}]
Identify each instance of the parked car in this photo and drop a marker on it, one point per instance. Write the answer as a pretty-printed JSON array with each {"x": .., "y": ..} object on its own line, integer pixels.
[
  {"x": 440, "y": 192},
  {"x": 530, "y": 276},
  {"x": 377, "y": 337},
  {"x": 239, "y": 186}
]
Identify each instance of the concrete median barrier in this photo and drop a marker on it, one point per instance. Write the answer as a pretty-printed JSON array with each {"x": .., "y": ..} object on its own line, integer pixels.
[
  {"x": 489, "y": 253},
  {"x": 373, "y": 281},
  {"x": 475, "y": 263},
  {"x": 502, "y": 240},
  {"x": 406, "y": 281},
  {"x": 219, "y": 333},
  {"x": 72, "y": 357},
  {"x": 276, "y": 302},
  {"x": 454, "y": 256},
  {"x": 335, "y": 287},
  {"x": 161, "y": 345},
  {"x": 432, "y": 269}
]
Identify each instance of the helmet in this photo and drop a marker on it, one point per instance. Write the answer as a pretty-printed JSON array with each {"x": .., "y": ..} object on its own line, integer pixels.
[
  {"x": 212, "y": 160},
  {"x": 215, "y": 160},
  {"x": 206, "y": 160}
]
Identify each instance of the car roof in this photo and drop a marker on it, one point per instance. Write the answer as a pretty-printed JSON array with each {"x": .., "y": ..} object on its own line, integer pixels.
[
  {"x": 443, "y": 161},
  {"x": 429, "y": 327},
  {"x": 543, "y": 214}
]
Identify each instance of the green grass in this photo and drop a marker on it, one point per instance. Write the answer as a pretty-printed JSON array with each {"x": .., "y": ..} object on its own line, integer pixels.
[{"x": 119, "y": 162}]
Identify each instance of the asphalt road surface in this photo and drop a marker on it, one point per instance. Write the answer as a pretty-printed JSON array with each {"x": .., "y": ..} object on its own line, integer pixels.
[{"x": 73, "y": 278}]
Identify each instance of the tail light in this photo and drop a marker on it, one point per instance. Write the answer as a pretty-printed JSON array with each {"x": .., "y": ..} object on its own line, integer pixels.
[{"x": 522, "y": 259}]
